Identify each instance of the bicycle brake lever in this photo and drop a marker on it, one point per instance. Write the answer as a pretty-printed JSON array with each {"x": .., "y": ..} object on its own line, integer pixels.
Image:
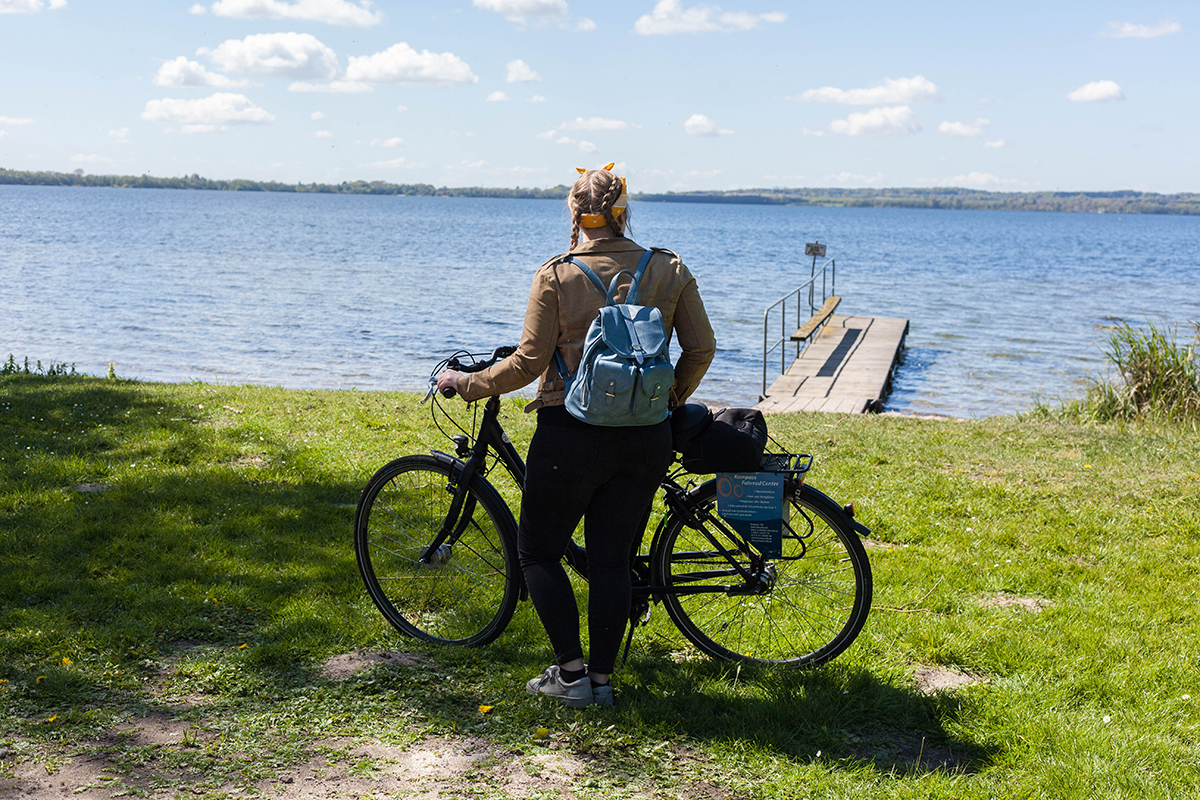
[{"x": 429, "y": 394}]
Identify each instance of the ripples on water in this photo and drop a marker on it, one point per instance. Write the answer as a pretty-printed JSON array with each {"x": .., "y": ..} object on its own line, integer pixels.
[{"x": 327, "y": 291}]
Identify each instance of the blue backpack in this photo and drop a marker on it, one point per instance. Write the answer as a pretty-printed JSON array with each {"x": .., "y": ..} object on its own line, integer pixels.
[{"x": 625, "y": 376}]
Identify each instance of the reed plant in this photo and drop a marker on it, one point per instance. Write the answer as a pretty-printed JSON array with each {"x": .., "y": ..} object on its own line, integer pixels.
[{"x": 1157, "y": 378}]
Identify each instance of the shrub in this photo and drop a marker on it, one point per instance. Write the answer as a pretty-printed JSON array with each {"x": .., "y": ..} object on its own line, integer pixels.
[{"x": 1157, "y": 378}]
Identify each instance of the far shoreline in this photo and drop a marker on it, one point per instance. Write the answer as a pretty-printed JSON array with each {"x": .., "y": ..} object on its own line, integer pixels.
[{"x": 952, "y": 198}]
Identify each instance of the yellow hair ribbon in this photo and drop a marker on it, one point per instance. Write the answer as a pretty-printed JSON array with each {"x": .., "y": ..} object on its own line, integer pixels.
[{"x": 598, "y": 220}]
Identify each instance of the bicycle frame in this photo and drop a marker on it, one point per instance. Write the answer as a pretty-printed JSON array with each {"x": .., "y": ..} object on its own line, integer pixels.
[{"x": 491, "y": 437}]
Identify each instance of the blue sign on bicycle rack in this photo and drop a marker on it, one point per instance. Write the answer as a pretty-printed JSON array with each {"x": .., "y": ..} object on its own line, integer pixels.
[{"x": 752, "y": 503}]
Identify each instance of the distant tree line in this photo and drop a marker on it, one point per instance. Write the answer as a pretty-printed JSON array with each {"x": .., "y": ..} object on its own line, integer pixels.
[
  {"x": 1120, "y": 202},
  {"x": 79, "y": 178}
]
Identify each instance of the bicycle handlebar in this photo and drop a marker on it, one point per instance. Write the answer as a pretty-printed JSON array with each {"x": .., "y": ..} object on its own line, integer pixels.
[{"x": 499, "y": 354}]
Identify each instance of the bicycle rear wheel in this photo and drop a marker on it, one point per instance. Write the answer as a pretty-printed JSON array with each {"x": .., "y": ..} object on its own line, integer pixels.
[
  {"x": 466, "y": 594},
  {"x": 799, "y": 610}
]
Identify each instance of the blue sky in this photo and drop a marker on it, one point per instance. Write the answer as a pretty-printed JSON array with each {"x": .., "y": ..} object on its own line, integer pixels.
[{"x": 683, "y": 95}]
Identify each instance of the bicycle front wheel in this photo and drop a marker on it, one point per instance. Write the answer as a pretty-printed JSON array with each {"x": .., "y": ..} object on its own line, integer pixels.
[
  {"x": 798, "y": 610},
  {"x": 466, "y": 592}
]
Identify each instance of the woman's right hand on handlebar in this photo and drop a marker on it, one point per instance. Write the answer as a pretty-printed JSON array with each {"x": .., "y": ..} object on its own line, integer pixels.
[{"x": 447, "y": 382}]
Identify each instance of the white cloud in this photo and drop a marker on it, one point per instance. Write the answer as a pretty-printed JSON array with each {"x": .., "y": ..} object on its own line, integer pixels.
[
  {"x": 207, "y": 114},
  {"x": 521, "y": 10},
  {"x": 120, "y": 134},
  {"x": 16, "y": 120},
  {"x": 497, "y": 97},
  {"x": 593, "y": 124},
  {"x": 80, "y": 158},
  {"x": 1128, "y": 30},
  {"x": 520, "y": 72},
  {"x": 700, "y": 125},
  {"x": 28, "y": 6},
  {"x": 585, "y": 24},
  {"x": 900, "y": 91},
  {"x": 298, "y": 56},
  {"x": 587, "y": 147},
  {"x": 182, "y": 72},
  {"x": 197, "y": 9},
  {"x": 394, "y": 163},
  {"x": 333, "y": 87},
  {"x": 317, "y": 115},
  {"x": 889, "y": 121},
  {"x": 669, "y": 17},
  {"x": 1096, "y": 91},
  {"x": 3, "y": 133},
  {"x": 537, "y": 98},
  {"x": 968, "y": 129},
  {"x": 323, "y": 135},
  {"x": 334, "y": 12},
  {"x": 561, "y": 139},
  {"x": 395, "y": 141},
  {"x": 401, "y": 64},
  {"x": 852, "y": 179},
  {"x": 996, "y": 145},
  {"x": 975, "y": 179},
  {"x": 811, "y": 132}
]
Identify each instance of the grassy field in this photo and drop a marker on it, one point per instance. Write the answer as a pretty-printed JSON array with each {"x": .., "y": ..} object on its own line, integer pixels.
[{"x": 177, "y": 583}]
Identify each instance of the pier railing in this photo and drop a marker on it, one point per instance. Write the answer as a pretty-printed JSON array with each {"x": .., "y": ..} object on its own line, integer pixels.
[{"x": 804, "y": 294}]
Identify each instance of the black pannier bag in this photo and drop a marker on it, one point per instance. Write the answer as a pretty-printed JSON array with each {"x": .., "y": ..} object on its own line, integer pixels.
[{"x": 726, "y": 440}]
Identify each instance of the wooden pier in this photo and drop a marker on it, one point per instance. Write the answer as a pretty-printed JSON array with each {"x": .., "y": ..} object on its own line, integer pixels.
[{"x": 847, "y": 367}]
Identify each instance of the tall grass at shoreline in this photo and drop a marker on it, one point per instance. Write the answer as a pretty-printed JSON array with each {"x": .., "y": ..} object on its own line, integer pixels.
[
  {"x": 1157, "y": 378},
  {"x": 183, "y": 553}
]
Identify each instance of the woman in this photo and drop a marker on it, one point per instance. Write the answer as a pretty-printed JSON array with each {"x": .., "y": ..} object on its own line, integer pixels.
[{"x": 605, "y": 475}]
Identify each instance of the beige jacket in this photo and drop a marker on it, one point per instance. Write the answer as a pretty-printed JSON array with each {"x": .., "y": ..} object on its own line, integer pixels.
[{"x": 562, "y": 304}]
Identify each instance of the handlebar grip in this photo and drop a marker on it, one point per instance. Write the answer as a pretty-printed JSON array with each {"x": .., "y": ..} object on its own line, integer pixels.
[{"x": 448, "y": 392}]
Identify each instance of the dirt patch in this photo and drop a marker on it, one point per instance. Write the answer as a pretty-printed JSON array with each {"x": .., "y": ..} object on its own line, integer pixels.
[
  {"x": 540, "y": 773},
  {"x": 251, "y": 461},
  {"x": 1010, "y": 601},
  {"x": 92, "y": 488},
  {"x": 161, "y": 729},
  {"x": 343, "y": 666},
  {"x": 892, "y": 749},
  {"x": 875, "y": 544},
  {"x": 933, "y": 680}
]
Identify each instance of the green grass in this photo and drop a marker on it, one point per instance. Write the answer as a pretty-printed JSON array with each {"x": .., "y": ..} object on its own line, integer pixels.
[{"x": 183, "y": 553}]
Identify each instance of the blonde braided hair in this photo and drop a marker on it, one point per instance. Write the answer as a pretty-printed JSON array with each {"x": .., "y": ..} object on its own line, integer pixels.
[{"x": 595, "y": 192}]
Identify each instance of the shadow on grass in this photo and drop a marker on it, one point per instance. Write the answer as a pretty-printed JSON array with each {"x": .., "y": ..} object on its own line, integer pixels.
[
  {"x": 134, "y": 521},
  {"x": 131, "y": 518}
]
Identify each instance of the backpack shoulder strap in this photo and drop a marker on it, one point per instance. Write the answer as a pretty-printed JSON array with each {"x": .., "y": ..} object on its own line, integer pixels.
[
  {"x": 635, "y": 287},
  {"x": 595, "y": 279}
]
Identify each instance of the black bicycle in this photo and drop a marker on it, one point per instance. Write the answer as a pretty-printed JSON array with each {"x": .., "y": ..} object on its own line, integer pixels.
[{"x": 436, "y": 546}]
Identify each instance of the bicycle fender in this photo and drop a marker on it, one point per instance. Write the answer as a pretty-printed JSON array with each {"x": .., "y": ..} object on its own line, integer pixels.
[
  {"x": 858, "y": 527},
  {"x": 450, "y": 461}
]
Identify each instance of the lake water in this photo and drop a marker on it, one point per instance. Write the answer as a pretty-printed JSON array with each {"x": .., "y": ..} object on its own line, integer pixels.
[{"x": 328, "y": 291}]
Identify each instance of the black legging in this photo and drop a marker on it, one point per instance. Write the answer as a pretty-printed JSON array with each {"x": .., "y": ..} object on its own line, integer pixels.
[{"x": 607, "y": 477}]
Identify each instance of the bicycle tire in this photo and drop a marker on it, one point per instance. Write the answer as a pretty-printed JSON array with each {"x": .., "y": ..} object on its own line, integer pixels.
[
  {"x": 819, "y": 595},
  {"x": 465, "y": 598}
]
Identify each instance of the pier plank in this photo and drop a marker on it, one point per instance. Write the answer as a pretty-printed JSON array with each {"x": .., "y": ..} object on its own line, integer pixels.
[{"x": 845, "y": 370}]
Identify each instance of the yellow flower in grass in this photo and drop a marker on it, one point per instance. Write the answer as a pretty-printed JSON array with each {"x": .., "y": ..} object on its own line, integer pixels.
[
  {"x": 52, "y": 718},
  {"x": 66, "y": 662},
  {"x": 485, "y": 709},
  {"x": 40, "y": 678}
]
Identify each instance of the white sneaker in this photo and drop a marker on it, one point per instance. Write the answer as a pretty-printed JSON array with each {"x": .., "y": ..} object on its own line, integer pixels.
[
  {"x": 576, "y": 694},
  {"x": 602, "y": 695}
]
